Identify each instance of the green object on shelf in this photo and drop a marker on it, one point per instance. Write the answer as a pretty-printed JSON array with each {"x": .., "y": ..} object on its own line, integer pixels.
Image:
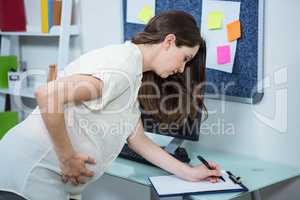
[
  {"x": 6, "y": 63},
  {"x": 8, "y": 120}
]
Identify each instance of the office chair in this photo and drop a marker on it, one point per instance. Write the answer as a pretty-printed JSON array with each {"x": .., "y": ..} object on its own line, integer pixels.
[{"x": 10, "y": 196}]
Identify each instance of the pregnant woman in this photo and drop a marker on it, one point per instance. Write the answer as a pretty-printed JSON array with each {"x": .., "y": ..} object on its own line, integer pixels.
[{"x": 84, "y": 118}]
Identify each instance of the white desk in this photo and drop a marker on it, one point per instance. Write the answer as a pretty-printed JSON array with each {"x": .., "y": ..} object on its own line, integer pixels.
[{"x": 256, "y": 174}]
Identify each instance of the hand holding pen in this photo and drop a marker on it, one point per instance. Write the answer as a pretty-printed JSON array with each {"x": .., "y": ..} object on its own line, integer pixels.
[{"x": 208, "y": 166}]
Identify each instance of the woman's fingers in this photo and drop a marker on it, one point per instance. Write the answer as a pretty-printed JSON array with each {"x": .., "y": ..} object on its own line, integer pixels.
[
  {"x": 214, "y": 165},
  {"x": 208, "y": 179},
  {"x": 216, "y": 169},
  {"x": 212, "y": 179},
  {"x": 90, "y": 160},
  {"x": 213, "y": 172},
  {"x": 78, "y": 179},
  {"x": 64, "y": 178},
  {"x": 81, "y": 180},
  {"x": 75, "y": 171},
  {"x": 87, "y": 173},
  {"x": 74, "y": 181}
]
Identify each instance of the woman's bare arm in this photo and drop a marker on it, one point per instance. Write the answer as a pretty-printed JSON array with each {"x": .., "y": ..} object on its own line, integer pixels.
[
  {"x": 51, "y": 99},
  {"x": 141, "y": 144}
]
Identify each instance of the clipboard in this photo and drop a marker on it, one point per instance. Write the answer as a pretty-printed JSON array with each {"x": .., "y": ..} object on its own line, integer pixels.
[{"x": 170, "y": 185}]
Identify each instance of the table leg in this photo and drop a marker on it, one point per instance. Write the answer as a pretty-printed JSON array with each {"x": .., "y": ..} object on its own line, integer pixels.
[
  {"x": 187, "y": 197},
  {"x": 2, "y": 102},
  {"x": 255, "y": 195},
  {"x": 153, "y": 195},
  {"x": 76, "y": 197}
]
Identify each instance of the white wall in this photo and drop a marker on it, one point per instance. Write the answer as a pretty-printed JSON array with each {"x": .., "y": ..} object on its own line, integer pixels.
[
  {"x": 275, "y": 135},
  {"x": 100, "y": 25},
  {"x": 269, "y": 130}
]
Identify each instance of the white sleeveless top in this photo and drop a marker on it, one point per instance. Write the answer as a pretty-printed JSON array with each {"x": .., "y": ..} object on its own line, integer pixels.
[{"x": 98, "y": 128}]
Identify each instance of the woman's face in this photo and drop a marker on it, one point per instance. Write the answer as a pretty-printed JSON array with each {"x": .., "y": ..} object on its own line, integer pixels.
[{"x": 172, "y": 59}]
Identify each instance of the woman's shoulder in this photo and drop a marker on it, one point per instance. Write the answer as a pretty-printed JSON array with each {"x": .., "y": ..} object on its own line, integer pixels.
[{"x": 122, "y": 57}]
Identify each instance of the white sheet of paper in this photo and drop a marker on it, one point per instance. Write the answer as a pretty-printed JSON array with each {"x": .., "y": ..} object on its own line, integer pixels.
[
  {"x": 215, "y": 38},
  {"x": 166, "y": 185},
  {"x": 134, "y": 7}
]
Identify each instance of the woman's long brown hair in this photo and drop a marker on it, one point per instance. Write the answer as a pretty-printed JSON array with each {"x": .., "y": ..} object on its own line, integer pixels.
[{"x": 184, "y": 27}]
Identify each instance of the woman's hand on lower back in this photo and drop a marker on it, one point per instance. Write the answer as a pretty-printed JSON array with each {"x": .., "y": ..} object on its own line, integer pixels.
[{"x": 74, "y": 168}]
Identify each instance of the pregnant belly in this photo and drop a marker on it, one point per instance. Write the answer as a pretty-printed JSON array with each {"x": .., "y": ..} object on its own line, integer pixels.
[
  {"x": 37, "y": 133},
  {"x": 50, "y": 163},
  {"x": 93, "y": 152},
  {"x": 83, "y": 145}
]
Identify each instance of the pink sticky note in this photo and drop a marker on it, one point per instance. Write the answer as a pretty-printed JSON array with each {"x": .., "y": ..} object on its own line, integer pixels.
[{"x": 223, "y": 53}]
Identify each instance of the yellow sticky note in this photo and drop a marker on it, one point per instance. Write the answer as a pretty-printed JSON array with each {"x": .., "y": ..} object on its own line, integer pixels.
[
  {"x": 145, "y": 14},
  {"x": 215, "y": 20}
]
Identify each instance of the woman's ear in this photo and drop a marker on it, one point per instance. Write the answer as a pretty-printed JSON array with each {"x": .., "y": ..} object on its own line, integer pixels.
[{"x": 169, "y": 41}]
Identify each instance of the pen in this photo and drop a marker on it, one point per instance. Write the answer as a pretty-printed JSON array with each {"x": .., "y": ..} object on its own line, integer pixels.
[{"x": 208, "y": 166}]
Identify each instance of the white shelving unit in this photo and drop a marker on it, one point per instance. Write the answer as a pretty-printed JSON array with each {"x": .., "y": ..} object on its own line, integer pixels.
[
  {"x": 55, "y": 31},
  {"x": 24, "y": 92},
  {"x": 10, "y": 44}
]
